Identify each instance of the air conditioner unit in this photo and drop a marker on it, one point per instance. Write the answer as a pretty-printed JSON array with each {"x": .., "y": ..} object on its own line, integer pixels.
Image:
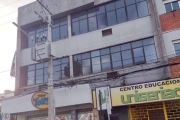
[{"x": 41, "y": 51}]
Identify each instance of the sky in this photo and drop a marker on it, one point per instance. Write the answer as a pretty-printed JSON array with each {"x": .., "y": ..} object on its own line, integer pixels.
[{"x": 8, "y": 38}]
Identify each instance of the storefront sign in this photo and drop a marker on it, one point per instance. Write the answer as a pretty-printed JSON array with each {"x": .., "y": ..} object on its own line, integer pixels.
[
  {"x": 147, "y": 92},
  {"x": 40, "y": 100}
]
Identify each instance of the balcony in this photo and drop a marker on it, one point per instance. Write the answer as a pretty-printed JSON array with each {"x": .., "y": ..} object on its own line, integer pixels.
[{"x": 170, "y": 21}]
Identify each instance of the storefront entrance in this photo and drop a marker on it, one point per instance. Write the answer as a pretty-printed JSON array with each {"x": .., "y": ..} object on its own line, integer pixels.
[{"x": 156, "y": 114}]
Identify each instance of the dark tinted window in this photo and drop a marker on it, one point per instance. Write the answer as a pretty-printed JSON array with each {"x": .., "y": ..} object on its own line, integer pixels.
[
  {"x": 168, "y": 7},
  {"x": 177, "y": 48},
  {"x": 125, "y": 55},
  {"x": 111, "y": 18},
  {"x": 142, "y": 9},
  {"x": 121, "y": 15},
  {"x": 101, "y": 19},
  {"x": 175, "y": 5},
  {"x": 132, "y": 12}
]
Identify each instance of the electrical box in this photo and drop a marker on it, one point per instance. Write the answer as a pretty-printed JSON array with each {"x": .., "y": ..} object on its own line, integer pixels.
[{"x": 41, "y": 51}]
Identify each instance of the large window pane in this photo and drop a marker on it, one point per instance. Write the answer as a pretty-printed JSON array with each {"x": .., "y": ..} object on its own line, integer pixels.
[
  {"x": 86, "y": 70},
  {"x": 121, "y": 15},
  {"x": 77, "y": 57},
  {"x": 148, "y": 41},
  {"x": 65, "y": 60},
  {"x": 95, "y": 53},
  {"x": 142, "y": 9},
  {"x": 96, "y": 68},
  {"x": 75, "y": 28},
  {"x": 138, "y": 56},
  {"x": 55, "y": 34},
  {"x": 85, "y": 55},
  {"x": 105, "y": 59},
  {"x": 63, "y": 21},
  {"x": 56, "y": 62},
  {"x": 100, "y": 10},
  {"x": 129, "y": 2},
  {"x": 119, "y": 3},
  {"x": 177, "y": 48},
  {"x": 91, "y": 12},
  {"x": 31, "y": 74},
  {"x": 116, "y": 56},
  {"x": 31, "y": 67},
  {"x": 132, "y": 12},
  {"x": 64, "y": 31},
  {"x": 82, "y": 15},
  {"x": 31, "y": 40},
  {"x": 136, "y": 44},
  {"x": 57, "y": 76},
  {"x": 117, "y": 64},
  {"x": 39, "y": 72},
  {"x": 101, "y": 21},
  {"x": 175, "y": 5},
  {"x": 96, "y": 61},
  {"x": 83, "y": 26},
  {"x": 111, "y": 18},
  {"x": 168, "y": 7},
  {"x": 126, "y": 46},
  {"x": 106, "y": 66},
  {"x": 56, "y": 69},
  {"x": 115, "y": 49},
  {"x": 127, "y": 58},
  {"x": 110, "y": 7},
  {"x": 150, "y": 53},
  {"x": 39, "y": 79},
  {"x": 92, "y": 23},
  {"x": 104, "y": 51},
  {"x": 40, "y": 65},
  {"x": 86, "y": 63},
  {"x": 30, "y": 81},
  {"x": 75, "y": 17}
]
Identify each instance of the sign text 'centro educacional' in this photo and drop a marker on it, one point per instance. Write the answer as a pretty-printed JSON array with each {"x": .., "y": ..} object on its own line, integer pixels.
[
  {"x": 147, "y": 92},
  {"x": 40, "y": 100}
]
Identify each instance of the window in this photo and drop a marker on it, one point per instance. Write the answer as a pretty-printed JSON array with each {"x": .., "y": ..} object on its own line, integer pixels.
[
  {"x": 171, "y": 6},
  {"x": 38, "y": 73},
  {"x": 116, "y": 57},
  {"x": 60, "y": 29},
  {"x": 177, "y": 48},
  {"x": 109, "y": 14}
]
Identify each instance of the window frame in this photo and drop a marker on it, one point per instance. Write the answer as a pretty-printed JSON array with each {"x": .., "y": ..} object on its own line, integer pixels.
[
  {"x": 166, "y": 2},
  {"x": 105, "y": 13},
  {"x": 134, "y": 63}
]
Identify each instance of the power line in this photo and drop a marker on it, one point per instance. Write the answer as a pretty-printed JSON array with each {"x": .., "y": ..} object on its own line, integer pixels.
[
  {"x": 5, "y": 71},
  {"x": 9, "y": 4},
  {"x": 8, "y": 14},
  {"x": 7, "y": 22}
]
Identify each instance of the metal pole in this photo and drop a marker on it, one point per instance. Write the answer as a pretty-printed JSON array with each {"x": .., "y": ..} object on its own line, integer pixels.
[
  {"x": 51, "y": 106},
  {"x": 100, "y": 112}
]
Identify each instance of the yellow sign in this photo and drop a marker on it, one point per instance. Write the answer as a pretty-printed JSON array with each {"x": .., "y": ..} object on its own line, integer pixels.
[
  {"x": 144, "y": 93},
  {"x": 40, "y": 100},
  {"x": 147, "y": 92}
]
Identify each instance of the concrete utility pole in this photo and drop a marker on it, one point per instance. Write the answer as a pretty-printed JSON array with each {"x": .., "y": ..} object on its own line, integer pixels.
[
  {"x": 48, "y": 20},
  {"x": 51, "y": 105}
]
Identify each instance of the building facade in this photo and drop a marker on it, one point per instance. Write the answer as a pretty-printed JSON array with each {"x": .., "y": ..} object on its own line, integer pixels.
[{"x": 130, "y": 47}]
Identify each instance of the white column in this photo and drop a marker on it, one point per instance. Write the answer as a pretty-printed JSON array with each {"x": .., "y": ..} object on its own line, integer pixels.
[{"x": 69, "y": 26}]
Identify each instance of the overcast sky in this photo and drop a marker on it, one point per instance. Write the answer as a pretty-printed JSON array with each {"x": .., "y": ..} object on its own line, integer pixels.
[{"x": 8, "y": 33}]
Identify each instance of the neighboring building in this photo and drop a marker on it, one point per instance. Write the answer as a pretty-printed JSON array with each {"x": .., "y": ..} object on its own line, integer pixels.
[
  {"x": 131, "y": 46},
  {"x": 7, "y": 94}
]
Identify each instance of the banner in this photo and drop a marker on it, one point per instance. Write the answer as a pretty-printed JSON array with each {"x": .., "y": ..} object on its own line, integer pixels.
[
  {"x": 140, "y": 93},
  {"x": 147, "y": 92},
  {"x": 105, "y": 92}
]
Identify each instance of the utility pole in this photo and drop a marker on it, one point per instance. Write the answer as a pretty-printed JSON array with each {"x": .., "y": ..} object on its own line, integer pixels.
[
  {"x": 47, "y": 19},
  {"x": 51, "y": 105}
]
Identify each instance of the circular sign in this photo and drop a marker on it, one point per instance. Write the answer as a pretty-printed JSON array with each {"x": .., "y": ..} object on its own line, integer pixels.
[{"x": 40, "y": 100}]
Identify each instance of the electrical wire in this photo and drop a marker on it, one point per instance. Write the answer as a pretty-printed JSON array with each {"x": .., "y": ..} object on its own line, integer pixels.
[
  {"x": 7, "y": 14},
  {"x": 9, "y": 4}
]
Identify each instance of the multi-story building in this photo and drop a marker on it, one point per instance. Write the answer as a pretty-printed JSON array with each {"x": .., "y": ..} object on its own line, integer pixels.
[{"x": 128, "y": 46}]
